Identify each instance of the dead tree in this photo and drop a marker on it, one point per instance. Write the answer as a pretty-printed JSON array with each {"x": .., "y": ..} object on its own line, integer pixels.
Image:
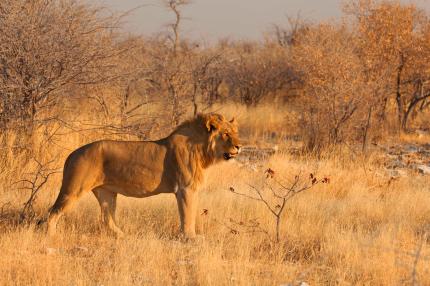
[{"x": 175, "y": 7}]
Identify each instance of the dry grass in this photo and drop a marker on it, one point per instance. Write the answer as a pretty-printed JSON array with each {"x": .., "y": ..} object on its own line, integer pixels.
[
  {"x": 360, "y": 229},
  {"x": 262, "y": 124}
]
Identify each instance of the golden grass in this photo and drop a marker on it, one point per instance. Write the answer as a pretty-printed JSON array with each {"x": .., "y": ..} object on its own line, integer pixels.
[
  {"x": 360, "y": 229},
  {"x": 261, "y": 124}
]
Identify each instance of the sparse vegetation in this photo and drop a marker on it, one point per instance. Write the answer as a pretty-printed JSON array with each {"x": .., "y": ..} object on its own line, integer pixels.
[
  {"x": 341, "y": 96},
  {"x": 280, "y": 192}
]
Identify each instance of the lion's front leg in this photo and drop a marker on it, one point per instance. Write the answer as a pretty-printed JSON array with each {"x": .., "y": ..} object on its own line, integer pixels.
[{"x": 187, "y": 204}]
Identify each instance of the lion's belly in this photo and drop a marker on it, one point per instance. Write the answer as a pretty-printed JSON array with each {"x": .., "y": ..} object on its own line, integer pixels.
[
  {"x": 132, "y": 191},
  {"x": 137, "y": 182}
]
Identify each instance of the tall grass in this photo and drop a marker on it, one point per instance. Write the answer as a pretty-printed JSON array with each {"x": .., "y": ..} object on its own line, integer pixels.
[{"x": 360, "y": 229}]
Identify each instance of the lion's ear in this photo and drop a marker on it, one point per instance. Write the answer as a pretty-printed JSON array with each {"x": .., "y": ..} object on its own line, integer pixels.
[{"x": 212, "y": 123}]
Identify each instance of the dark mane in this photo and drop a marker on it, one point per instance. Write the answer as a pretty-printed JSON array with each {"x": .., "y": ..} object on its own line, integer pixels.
[{"x": 197, "y": 122}]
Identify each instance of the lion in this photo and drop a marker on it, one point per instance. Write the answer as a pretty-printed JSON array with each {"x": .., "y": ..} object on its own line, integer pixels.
[{"x": 175, "y": 164}]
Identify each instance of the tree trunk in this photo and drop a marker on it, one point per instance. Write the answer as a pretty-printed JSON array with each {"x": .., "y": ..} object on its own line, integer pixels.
[
  {"x": 194, "y": 100},
  {"x": 411, "y": 107},
  {"x": 398, "y": 92},
  {"x": 175, "y": 106},
  {"x": 366, "y": 129}
]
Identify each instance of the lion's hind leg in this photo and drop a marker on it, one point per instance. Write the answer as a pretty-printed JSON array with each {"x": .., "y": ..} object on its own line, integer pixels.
[{"x": 107, "y": 201}]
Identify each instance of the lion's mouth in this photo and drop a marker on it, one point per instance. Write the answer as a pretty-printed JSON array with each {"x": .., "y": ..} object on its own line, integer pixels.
[{"x": 228, "y": 156}]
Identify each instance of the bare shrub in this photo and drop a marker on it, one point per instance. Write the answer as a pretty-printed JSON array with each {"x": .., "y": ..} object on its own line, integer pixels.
[
  {"x": 274, "y": 194},
  {"x": 34, "y": 184},
  {"x": 333, "y": 86},
  {"x": 255, "y": 72},
  {"x": 48, "y": 46}
]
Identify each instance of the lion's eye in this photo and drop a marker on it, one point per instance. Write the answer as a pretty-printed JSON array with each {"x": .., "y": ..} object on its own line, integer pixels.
[{"x": 226, "y": 135}]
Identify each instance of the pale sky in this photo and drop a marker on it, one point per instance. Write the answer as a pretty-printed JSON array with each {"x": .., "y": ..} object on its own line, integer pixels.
[{"x": 237, "y": 19}]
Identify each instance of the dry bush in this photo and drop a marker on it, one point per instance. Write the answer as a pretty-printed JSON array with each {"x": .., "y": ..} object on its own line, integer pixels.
[
  {"x": 45, "y": 48},
  {"x": 52, "y": 54},
  {"x": 187, "y": 78},
  {"x": 356, "y": 74},
  {"x": 256, "y": 72},
  {"x": 393, "y": 46},
  {"x": 362, "y": 74},
  {"x": 333, "y": 85}
]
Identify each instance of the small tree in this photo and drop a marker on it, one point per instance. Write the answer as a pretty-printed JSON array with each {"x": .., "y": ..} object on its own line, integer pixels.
[{"x": 275, "y": 194}]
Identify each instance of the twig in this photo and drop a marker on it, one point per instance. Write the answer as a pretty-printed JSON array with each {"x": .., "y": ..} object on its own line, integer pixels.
[{"x": 39, "y": 178}]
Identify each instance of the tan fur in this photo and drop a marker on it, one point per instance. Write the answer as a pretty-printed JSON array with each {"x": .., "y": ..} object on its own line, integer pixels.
[{"x": 174, "y": 164}]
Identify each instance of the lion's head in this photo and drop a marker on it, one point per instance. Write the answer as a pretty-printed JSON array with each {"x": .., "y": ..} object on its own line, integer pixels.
[
  {"x": 218, "y": 137},
  {"x": 224, "y": 143}
]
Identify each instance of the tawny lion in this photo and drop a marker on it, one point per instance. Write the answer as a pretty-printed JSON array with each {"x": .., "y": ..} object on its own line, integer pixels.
[{"x": 145, "y": 168}]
